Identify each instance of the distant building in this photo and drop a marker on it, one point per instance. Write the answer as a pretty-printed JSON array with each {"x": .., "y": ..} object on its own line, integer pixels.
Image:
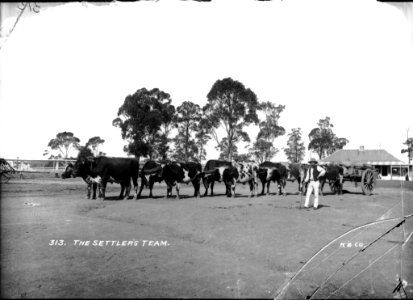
[{"x": 388, "y": 166}]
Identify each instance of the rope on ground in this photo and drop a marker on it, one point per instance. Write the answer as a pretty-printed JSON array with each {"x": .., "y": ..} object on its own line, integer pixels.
[
  {"x": 366, "y": 268},
  {"x": 282, "y": 290},
  {"x": 338, "y": 249},
  {"x": 356, "y": 254}
]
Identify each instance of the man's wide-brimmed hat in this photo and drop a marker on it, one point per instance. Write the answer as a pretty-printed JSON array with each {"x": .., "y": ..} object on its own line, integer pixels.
[{"x": 313, "y": 159}]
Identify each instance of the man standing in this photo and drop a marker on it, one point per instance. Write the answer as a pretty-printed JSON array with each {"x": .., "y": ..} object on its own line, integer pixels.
[{"x": 312, "y": 177}]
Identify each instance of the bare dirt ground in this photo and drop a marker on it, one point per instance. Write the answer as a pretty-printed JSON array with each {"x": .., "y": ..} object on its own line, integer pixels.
[{"x": 244, "y": 247}]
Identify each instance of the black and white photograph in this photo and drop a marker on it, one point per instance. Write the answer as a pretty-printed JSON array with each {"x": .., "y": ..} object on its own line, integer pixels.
[{"x": 206, "y": 149}]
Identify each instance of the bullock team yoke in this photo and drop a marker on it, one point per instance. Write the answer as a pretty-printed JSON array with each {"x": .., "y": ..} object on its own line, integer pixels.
[{"x": 97, "y": 172}]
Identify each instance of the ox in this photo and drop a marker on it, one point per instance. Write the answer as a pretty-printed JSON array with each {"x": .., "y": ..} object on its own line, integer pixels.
[
  {"x": 151, "y": 172},
  {"x": 103, "y": 168},
  {"x": 230, "y": 177},
  {"x": 91, "y": 183},
  {"x": 335, "y": 175},
  {"x": 175, "y": 173},
  {"x": 214, "y": 171},
  {"x": 237, "y": 173},
  {"x": 269, "y": 171},
  {"x": 248, "y": 172},
  {"x": 297, "y": 172}
]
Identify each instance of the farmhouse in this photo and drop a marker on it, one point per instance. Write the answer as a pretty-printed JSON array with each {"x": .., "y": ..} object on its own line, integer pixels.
[{"x": 388, "y": 166}]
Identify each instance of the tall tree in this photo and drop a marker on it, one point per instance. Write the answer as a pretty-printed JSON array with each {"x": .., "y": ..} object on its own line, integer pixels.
[
  {"x": 296, "y": 150},
  {"x": 408, "y": 149},
  {"x": 187, "y": 118},
  {"x": 202, "y": 137},
  {"x": 323, "y": 140},
  {"x": 94, "y": 143},
  {"x": 338, "y": 144},
  {"x": 230, "y": 106},
  {"x": 63, "y": 143},
  {"x": 162, "y": 148},
  {"x": 269, "y": 128},
  {"x": 141, "y": 118},
  {"x": 225, "y": 147},
  {"x": 263, "y": 150},
  {"x": 85, "y": 152}
]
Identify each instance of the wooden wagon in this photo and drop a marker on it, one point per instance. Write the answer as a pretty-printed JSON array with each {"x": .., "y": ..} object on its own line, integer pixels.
[
  {"x": 6, "y": 171},
  {"x": 358, "y": 173}
]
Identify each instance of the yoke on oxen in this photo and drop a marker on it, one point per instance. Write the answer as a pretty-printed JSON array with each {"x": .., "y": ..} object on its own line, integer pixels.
[
  {"x": 175, "y": 173},
  {"x": 104, "y": 169},
  {"x": 150, "y": 173},
  {"x": 213, "y": 171}
]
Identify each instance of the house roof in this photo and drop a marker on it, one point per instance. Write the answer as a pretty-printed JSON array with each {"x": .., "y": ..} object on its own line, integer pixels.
[{"x": 372, "y": 157}]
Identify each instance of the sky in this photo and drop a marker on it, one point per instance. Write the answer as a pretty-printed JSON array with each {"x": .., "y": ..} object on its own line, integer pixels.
[{"x": 70, "y": 67}]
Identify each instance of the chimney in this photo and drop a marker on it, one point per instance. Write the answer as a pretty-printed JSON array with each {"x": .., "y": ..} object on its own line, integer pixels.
[{"x": 361, "y": 148}]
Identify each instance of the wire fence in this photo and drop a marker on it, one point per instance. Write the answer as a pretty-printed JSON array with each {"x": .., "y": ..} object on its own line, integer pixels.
[{"x": 39, "y": 166}]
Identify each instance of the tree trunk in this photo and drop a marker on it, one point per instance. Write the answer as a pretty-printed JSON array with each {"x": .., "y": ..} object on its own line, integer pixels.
[{"x": 186, "y": 142}]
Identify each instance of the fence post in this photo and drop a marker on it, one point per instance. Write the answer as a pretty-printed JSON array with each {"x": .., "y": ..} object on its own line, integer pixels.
[{"x": 57, "y": 169}]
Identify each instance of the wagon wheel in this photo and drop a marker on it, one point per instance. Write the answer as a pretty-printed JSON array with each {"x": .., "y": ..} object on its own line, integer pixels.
[
  {"x": 367, "y": 182},
  {"x": 4, "y": 178}
]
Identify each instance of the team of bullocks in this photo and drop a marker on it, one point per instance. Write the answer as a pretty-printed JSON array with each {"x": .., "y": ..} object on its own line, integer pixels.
[{"x": 98, "y": 171}]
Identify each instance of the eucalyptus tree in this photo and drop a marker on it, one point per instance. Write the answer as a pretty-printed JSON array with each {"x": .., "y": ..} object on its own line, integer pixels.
[
  {"x": 63, "y": 143},
  {"x": 202, "y": 137},
  {"x": 144, "y": 119},
  {"x": 231, "y": 106},
  {"x": 263, "y": 148},
  {"x": 296, "y": 150},
  {"x": 269, "y": 128},
  {"x": 225, "y": 147},
  {"x": 323, "y": 140},
  {"x": 408, "y": 149},
  {"x": 162, "y": 148},
  {"x": 93, "y": 143},
  {"x": 187, "y": 118}
]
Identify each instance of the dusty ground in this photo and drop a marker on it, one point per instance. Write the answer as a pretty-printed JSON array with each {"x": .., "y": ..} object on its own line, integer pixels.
[{"x": 207, "y": 247}]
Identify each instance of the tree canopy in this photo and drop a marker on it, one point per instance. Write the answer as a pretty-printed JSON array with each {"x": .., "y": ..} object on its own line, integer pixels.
[
  {"x": 408, "y": 149},
  {"x": 263, "y": 149},
  {"x": 323, "y": 140},
  {"x": 230, "y": 106},
  {"x": 202, "y": 137},
  {"x": 296, "y": 150},
  {"x": 145, "y": 120},
  {"x": 187, "y": 118},
  {"x": 94, "y": 143},
  {"x": 228, "y": 151},
  {"x": 84, "y": 153},
  {"x": 63, "y": 143},
  {"x": 269, "y": 128}
]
